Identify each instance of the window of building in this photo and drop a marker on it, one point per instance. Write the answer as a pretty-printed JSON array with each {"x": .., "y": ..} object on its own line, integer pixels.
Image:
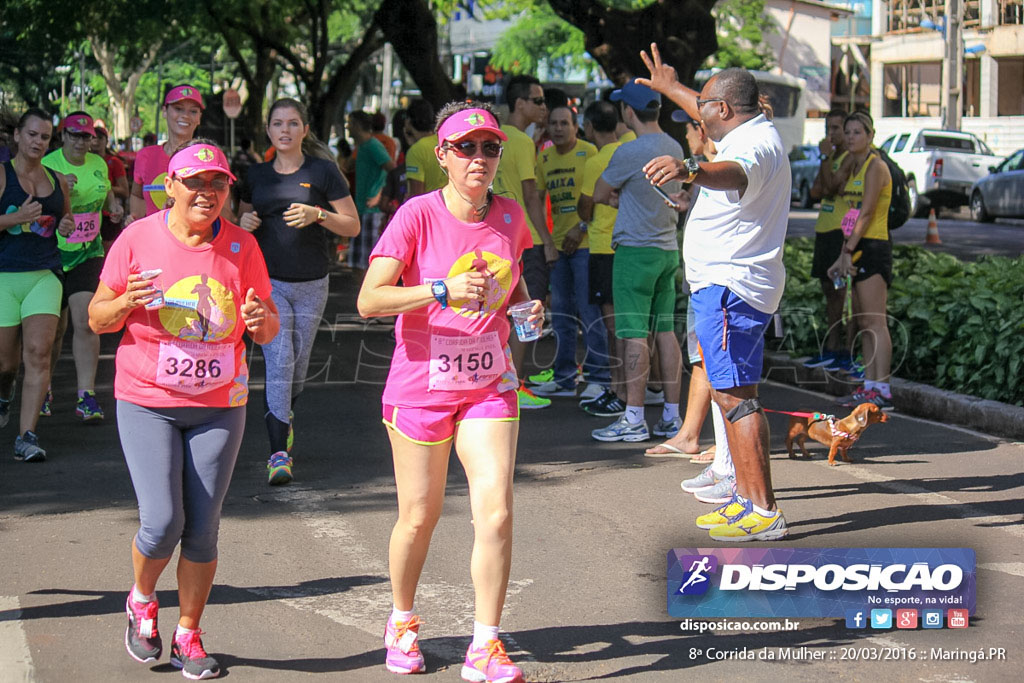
[
  {"x": 1011, "y": 86},
  {"x": 912, "y": 89}
]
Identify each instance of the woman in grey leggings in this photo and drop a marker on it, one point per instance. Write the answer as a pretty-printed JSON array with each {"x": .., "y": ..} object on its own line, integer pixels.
[
  {"x": 185, "y": 286},
  {"x": 292, "y": 205}
]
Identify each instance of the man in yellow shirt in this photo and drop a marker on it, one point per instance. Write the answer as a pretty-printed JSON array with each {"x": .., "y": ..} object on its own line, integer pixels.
[
  {"x": 517, "y": 178},
  {"x": 600, "y": 125},
  {"x": 422, "y": 172},
  {"x": 560, "y": 171}
]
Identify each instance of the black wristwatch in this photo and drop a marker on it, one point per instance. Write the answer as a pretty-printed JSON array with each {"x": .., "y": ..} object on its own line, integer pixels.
[
  {"x": 440, "y": 291},
  {"x": 582, "y": 227},
  {"x": 692, "y": 167}
]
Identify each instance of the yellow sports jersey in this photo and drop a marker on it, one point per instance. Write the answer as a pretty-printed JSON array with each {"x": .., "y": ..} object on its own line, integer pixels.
[
  {"x": 628, "y": 136},
  {"x": 562, "y": 177},
  {"x": 421, "y": 164},
  {"x": 853, "y": 196},
  {"x": 600, "y": 232},
  {"x": 518, "y": 163},
  {"x": 829, "y": 218}
]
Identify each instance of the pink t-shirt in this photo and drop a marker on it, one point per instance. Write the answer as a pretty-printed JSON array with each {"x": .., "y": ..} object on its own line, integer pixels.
[
  {"x": 150, "y": 171},
  {"x": 190, "y": 352},
  {"x": 460, "y": 352}
]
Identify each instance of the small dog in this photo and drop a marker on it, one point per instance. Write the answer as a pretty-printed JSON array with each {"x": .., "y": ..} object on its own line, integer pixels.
[{"x": 838, "y": 435}]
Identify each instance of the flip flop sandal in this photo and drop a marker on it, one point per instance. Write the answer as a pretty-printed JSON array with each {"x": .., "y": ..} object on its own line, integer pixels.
[
  {"x": 673, "y": 452},
  {"x": 705, "y": 456}
]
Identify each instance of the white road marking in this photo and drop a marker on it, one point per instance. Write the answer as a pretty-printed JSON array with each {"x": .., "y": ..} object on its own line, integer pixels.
[
  {"x": 366, "y": 606},
  {"x": 1004, "y": 523},
  {"x": 15, "y": 657}
]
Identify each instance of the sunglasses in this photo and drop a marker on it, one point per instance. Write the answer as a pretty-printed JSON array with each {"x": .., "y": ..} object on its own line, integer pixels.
[
  {"x": 79, "y": 136},
  {"x": 539, "y": 101},
  {"x": 701, "y": 103},
  {"x": 196, "y": 184},
  {"x": 467, "y": 148}
]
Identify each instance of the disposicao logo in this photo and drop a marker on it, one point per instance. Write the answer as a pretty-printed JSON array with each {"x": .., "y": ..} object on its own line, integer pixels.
[
  {"x": 818, "y": 582},
  {"x": 204, "y": 154},
  {"x": 475, "y": 120}
]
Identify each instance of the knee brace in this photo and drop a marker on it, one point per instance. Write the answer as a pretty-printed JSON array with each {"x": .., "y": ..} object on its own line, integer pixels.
[{"x": 747, "y": 407}]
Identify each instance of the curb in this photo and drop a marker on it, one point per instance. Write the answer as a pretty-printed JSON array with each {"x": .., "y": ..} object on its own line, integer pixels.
[{"x": 910, "y": 398}]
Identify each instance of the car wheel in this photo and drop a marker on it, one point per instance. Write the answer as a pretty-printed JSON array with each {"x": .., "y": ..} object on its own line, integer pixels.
[
  {"x": 805, "y": 196},
  {"x": 978, "y": 212},
  {"x": 916, "y": 205}
]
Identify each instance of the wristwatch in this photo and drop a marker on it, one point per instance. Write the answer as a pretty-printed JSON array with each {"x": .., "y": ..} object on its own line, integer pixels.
[
  {"x": 440, "y": 291},
  {"x": 321, "y": 215},
  {"x": 582, "y": 226},
  {"x": 692, "y": 167}
]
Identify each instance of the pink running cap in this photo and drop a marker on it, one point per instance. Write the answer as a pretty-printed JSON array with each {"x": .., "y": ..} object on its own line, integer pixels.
[
  {"x": 184, "y": 92},
  {"x": 197, "y": 159},
  {"x": 462, "y": 123}
]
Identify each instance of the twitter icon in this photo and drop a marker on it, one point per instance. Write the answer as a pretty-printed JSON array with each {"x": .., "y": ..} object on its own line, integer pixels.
[{"x": 881, "y": 618}]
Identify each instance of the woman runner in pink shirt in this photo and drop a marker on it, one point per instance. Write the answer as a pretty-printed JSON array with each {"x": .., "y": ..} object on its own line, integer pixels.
[{"x": 457, "y": 252}]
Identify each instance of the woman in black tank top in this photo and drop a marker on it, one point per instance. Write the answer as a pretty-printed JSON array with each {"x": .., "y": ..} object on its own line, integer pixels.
[{"x": 34, "y": 206}]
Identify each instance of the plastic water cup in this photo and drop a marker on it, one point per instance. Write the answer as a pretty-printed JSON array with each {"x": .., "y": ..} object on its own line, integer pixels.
[
  {"x": 526, "y": 331},
  {"x": 158, "y": 297}
]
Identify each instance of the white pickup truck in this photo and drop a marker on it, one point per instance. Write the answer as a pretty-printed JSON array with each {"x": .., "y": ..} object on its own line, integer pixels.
[{"x": 941, "y": 166}]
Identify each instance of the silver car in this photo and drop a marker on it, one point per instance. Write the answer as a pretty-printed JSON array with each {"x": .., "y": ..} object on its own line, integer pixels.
[{"x": 1000, "y": 194}]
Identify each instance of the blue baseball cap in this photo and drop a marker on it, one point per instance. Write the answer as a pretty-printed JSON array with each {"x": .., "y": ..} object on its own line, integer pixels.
[
  {"x": 680, "y": 116},
  {"x": 636, "y": 95}
]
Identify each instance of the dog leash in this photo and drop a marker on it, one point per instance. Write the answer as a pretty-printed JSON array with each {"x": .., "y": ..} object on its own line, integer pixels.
[{"x": 786, "y": 412}]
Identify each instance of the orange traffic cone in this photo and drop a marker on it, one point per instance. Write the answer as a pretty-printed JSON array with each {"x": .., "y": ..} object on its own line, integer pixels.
[{"x": 933, "y": 229}]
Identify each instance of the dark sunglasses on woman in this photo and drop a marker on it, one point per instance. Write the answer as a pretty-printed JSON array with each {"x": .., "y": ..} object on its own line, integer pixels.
[{"x": 467, "y": 148}]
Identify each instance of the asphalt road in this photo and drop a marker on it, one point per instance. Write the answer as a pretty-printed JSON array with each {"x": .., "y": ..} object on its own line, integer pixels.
[
  {"x": 302, "y": 590},
  {"x": 960, "y": 236}
]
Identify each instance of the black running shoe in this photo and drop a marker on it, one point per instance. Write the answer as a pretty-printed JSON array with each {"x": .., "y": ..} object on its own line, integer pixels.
[
  {"x": 187, "y": 654},
  {"x": 141, "y": 638},
  {"x": 606, "y": 405}
]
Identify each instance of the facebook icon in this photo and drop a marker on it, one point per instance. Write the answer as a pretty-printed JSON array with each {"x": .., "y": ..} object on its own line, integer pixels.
[{"x": 855, "y": 618}]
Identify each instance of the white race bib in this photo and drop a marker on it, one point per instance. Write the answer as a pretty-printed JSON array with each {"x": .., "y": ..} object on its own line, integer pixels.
[
  {"x": 461, "y": 363},
  {"x": 195, "y": 367}
]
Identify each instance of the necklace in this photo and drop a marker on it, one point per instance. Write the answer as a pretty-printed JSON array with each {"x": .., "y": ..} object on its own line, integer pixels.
[{"x": 479, "y": 212}]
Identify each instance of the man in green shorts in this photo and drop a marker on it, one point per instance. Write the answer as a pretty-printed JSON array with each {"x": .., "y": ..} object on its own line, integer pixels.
[{"x": 644, "y": 267}]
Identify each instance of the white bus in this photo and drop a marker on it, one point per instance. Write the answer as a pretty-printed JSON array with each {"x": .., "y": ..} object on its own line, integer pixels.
[{"x": 787, "y": 97}]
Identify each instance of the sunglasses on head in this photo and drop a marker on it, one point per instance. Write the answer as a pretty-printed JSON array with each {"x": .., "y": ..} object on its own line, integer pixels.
[
  {"x": 467, "y": 148},
  {"x": 196, "y": 184}
]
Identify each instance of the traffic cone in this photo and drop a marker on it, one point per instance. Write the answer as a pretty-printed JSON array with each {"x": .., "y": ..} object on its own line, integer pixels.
[{"x": 933, "y": 229}]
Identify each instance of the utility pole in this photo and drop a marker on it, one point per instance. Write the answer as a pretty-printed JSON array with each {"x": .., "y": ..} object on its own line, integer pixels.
[{"x": 953, "y": 66}]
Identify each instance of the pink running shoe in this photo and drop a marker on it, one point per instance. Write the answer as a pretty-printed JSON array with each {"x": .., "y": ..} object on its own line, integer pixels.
[
  {"x": 404, "y": 655},
  {"x": 141, "y": 638},
  {"x": 490, "y": 664}
]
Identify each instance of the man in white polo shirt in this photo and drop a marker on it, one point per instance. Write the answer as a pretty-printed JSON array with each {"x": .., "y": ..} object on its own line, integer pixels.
[{"x": 733, "y": 254}]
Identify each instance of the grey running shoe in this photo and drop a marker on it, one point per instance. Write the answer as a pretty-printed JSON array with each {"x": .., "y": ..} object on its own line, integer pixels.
[
  {"x": 668, "y": 428},
  {"x": 188, "y": 654},
  {"x": 722, "y": 492},
  {"x": 141, "y": 638},
  {"x": 623, "y": 430},
  {"x": 26, "y": 448},
  {"x": 704, "y": 480}
]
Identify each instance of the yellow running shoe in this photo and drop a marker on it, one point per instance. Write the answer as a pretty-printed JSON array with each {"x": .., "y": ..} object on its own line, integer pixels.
[
  {"x": 723, "y": 514},
  {"x": 752, "y": 526}
]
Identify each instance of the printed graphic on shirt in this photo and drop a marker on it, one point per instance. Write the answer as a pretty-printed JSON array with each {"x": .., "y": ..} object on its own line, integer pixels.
[
  {"x": 156, "y": 190},
  {"x": 498, "y": 280},
  {"x": 198, "y": 308},
  {"x": 44, "y": 226}
]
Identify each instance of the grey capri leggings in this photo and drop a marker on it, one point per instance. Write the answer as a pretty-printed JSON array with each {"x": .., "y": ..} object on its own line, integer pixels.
[
  {"x": 180, "y": 461},
  {"x": 300, "y": 307}
]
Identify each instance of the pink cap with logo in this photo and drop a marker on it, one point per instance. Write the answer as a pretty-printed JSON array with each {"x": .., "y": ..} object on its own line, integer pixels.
[
  {"x": 79, "y": 123},
  {"x": 184, "y": 92},
  {"x": 198, "y": 159},
  {"x": 461, "y": 124}
]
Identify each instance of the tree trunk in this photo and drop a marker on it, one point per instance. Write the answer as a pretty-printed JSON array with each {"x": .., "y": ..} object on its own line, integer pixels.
[
  {"x": 122, "y": 98},
  {"x": 683, "y": 29},
  {"x": 410, "y": 27},
  {"x": 342, "y": 82}
]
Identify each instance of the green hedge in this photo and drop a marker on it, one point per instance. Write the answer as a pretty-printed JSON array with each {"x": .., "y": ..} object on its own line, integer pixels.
[{"x": 954, "y": 324}]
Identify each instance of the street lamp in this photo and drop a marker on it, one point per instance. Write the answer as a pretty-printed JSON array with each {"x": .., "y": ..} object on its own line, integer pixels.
[{"x": 63, "y": 72}]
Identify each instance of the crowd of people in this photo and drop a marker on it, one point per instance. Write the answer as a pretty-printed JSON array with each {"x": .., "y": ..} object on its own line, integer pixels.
[{"x": 453, "y": 220}]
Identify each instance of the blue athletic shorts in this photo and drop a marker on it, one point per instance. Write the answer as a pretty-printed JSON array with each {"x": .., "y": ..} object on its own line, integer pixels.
[{"x": 731, "y": 337}]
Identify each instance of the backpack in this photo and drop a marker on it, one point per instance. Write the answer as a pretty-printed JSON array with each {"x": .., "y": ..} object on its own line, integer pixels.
[{"x": 899, "y": 205}]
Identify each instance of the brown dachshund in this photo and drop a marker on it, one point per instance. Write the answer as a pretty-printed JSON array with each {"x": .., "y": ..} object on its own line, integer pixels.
[{"x": 838, "y": 435}]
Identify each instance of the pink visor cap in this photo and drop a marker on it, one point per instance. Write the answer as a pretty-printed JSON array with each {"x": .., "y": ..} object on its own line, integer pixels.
[
  {"x": 79, "y": 123},
  {"x": 198, "y": 159},
  {"x": 461, "y": 124},
  {"x": 184, "y": 92}
]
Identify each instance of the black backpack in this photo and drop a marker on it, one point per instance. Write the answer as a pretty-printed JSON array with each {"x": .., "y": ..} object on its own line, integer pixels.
[{"x": 899, "y": 205}]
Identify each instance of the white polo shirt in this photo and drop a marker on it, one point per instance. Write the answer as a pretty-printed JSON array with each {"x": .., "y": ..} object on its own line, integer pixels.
[{"x": 734, "y": 241}]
